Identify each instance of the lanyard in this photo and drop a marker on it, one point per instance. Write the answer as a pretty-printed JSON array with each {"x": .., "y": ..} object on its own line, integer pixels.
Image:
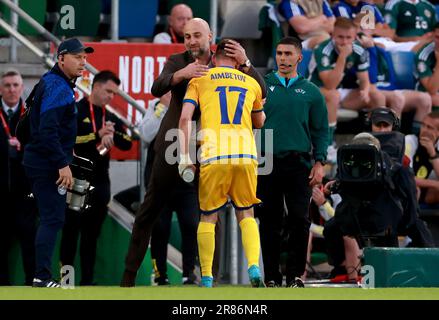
[
  {"x": 92, "y": 115},
  {"x": 173, "y": 36},
  {"x": 5, "y": 123}
]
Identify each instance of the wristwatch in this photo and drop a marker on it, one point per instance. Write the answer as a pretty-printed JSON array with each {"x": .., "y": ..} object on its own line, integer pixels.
[{"x": 247, "y": 64}]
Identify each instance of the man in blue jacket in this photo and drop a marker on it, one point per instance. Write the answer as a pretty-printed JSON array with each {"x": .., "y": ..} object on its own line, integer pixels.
[{"x": 50, "y": 150}]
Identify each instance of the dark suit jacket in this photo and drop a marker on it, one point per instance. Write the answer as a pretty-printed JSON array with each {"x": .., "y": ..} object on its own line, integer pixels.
[
  {"x": 12, "y": 177},
  {"x": 163, "y": 84}
]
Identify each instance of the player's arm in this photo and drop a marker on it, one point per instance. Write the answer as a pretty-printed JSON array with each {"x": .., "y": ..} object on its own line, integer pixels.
[
  {"x": 305, "y": 25},
  {"x": 429, "y": 80},
  {"x": 258, "y": 119},
  {"x": 427, "y": 183},
  {"x": 364, "y": 85},
  {"x": 332, "y": 78},
  {"x": 258, "y": 114},
  {"x": 185, "y": 126},
  {"x": 383, "y": 30}
]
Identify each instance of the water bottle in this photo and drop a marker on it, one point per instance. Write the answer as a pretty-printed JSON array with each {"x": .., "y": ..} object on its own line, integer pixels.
[
  {"x": 62, "y": 190},
  {"x": 188, "y": 174}
]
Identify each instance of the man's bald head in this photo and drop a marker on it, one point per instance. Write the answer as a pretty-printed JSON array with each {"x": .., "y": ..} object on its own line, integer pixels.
[
  {"x": 197, "y": 37},
  {"x": 199, "y": 24},
  {"x": 180, "y": 15}
]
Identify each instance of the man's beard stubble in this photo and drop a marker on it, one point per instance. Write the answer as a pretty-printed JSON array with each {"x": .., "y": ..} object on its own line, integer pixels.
[{"x": 197, "y": 54}]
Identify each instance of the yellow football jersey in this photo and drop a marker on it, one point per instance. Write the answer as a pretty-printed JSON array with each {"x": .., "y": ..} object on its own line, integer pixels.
[{"x": 226, "y": 98}]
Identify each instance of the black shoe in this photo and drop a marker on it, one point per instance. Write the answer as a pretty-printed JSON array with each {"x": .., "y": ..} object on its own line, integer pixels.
[
  {"x": 49, "y": 283},
  {"x": 128, "y": 279},
  {"x": 337, "y": 271},
  {"x": 296, "y": 283},
  {"x": 162, "y": 281},
  {"x": 272, "y": 284}
]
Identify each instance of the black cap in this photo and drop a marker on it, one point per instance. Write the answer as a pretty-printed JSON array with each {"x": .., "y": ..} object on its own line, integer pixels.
[
  {"x": 73, "y": 46},
  {"x": 382, "y": 115}
]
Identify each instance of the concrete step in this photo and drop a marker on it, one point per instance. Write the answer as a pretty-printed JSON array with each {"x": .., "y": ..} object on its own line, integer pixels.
[{"x": 24, "y": 55}]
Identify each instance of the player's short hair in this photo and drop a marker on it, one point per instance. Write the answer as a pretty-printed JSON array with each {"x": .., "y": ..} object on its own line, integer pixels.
[
  {"x": 221, "y": 48},
  {"x": 436, "y": 26},
  {"x": 105, "y": 76},
  {"x": 344, "y": 23},
  {"x": 293, "y": 41}
]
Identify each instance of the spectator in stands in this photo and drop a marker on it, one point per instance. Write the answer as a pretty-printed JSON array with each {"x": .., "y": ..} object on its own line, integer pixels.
[
  {"x": 177, "y": 72},
  {"x": 310, "y": 20},
  {"x": 296, "y": 131},
  {"x": 382, "y": 75},
  {"x": 385, "y": 121},
  {"x": 410, "y": 20},
  {"x": 96, "y": 127},
  {"x": 427, "y": 68},
  {"x": 180, "y": 15},
  {"x": 352, "y": 8},
  {"x": 423, "y": 152},
  {"x": 18, "y": 208},
  {"x": 340, "y": 69},
  {"x": 184, "y": 201}
]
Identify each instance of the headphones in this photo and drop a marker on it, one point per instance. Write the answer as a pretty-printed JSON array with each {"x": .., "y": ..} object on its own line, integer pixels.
[{"x": 396, "y": 122}]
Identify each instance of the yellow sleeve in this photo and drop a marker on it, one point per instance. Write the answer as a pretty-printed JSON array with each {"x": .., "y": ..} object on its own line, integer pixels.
[
  {"x": 257, "y": 105},
  {"x": 191, "y": 95}
]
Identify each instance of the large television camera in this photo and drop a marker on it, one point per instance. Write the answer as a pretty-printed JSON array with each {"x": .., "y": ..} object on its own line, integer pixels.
[
  {"x": 370, "y": 206},
  {"x": 78, "y": 196}
]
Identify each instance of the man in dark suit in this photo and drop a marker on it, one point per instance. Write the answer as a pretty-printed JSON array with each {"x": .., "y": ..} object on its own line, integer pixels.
[
  {"x": 18, "y": 209},
  {"x": 177, "y": 72}
]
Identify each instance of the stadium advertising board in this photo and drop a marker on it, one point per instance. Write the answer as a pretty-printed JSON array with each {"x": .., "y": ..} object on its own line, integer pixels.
[{"x": 137, "y": 65}]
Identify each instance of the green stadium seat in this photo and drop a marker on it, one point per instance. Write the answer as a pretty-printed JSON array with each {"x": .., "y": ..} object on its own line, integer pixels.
[
  {"x": 35, "y": 8},
  {"x": 404, "y": 66},
  {"x": 87, "y": 18},
  {"x": 137, "y": 18}
]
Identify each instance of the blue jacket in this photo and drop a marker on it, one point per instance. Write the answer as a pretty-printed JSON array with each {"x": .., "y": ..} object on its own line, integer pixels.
[{"x": 53, "y": 123}]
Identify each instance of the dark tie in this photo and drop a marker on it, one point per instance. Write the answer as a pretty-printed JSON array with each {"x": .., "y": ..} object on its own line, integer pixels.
[{"x": 10, "y": 113}]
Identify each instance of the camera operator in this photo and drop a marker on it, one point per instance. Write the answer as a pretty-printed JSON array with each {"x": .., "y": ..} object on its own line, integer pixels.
[
  {"x": 98, "y": 131},
  {"x": 370, "y": 205}
]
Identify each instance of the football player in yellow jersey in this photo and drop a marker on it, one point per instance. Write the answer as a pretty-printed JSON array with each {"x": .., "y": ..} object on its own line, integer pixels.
[{"x": 230, "y": 104}]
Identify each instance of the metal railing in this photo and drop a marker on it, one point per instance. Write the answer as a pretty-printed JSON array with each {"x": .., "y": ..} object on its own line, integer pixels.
[
  {"x": 49, "y": 36},
  {"x": 50, "y": 63}
]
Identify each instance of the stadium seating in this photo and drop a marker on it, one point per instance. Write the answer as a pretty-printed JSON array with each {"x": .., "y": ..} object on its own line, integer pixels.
[
  {"x": 404, "y": 66},
  {"x": 87, "y": 25},
  {"x": 137, "y": 18},
  {"x": 35, "y": 8},
  {"x": 241, "y": 19}
]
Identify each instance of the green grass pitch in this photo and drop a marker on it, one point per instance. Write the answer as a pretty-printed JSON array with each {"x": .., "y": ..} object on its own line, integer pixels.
[{"x": 218, "y": 293}]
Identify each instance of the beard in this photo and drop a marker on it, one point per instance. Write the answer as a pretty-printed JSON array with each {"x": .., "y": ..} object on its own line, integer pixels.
[{"x": 197, "y": 54}]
